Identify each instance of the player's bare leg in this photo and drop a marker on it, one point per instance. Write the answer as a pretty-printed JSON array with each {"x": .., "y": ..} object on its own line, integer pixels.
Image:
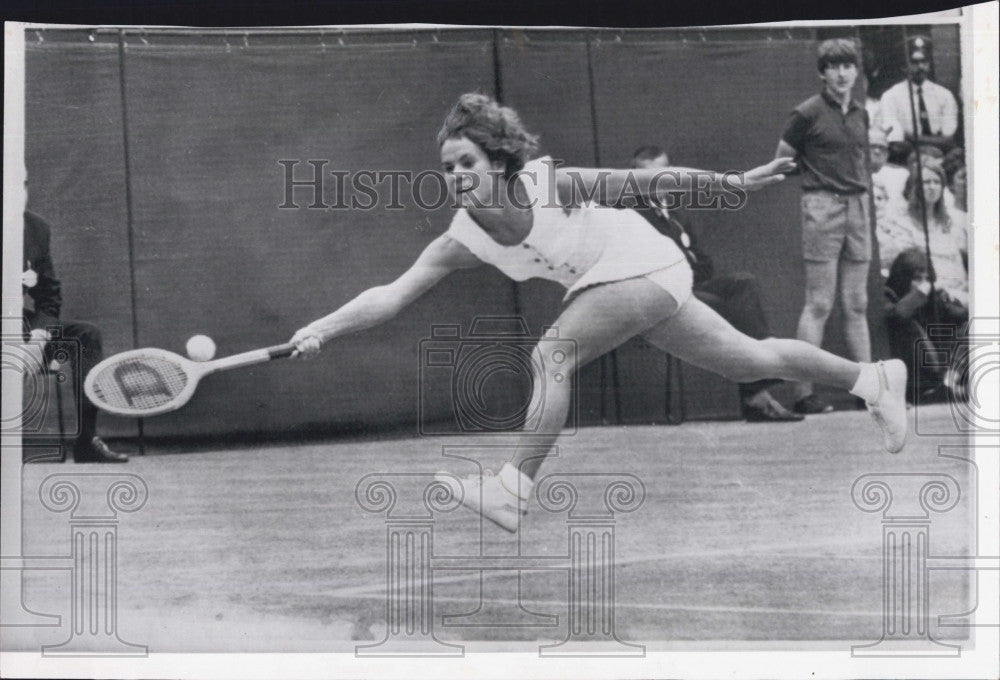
[
  {"x": 597, "y": 321},
  {"x": 601, "y": 319},
  {"x": 698, "y": 335},
  {"x": 854, "y": 298},
  {"x": 821, "y": 290}
]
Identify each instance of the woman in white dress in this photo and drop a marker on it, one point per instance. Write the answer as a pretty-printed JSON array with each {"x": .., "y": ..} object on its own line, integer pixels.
[{"x": 623, "y": 279}]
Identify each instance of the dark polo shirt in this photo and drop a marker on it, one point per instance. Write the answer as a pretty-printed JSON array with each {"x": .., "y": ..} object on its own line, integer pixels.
[{"x": 832, "y": 145}]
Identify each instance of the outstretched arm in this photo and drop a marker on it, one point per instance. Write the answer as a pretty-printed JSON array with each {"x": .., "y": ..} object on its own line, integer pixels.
[
  {"x": 607, "y": 185},
  {"x": 377, "y": 305},
  {"x": 785, "y": 150}
]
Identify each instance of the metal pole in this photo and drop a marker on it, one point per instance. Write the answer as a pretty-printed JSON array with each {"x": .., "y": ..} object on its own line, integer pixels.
[
  {"x": 129, "y": 214},
  {"x": 920, "y": 182},
  {"x": 609, "y": 362},
  {"x": 515, "y": 287}
]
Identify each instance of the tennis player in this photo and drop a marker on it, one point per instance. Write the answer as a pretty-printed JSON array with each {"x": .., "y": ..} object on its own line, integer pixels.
[{"x": 623, "y": 279}]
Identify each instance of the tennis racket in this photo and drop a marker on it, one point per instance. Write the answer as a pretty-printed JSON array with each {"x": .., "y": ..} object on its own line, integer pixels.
[{"x": 147, "y": 382}]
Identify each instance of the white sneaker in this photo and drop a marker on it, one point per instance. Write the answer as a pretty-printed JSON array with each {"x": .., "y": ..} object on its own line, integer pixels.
[
  {"x": 889, "y": 409},
  {"x": 487, "y": 496},
  {"x": 953, "y": 384}
]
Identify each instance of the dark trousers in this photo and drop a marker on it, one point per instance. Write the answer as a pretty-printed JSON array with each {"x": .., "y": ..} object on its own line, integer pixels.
[
  {"x": 909, "y": 341},
  {"x": 80, "y": 342},
  {"x": 736, "y": 297}
]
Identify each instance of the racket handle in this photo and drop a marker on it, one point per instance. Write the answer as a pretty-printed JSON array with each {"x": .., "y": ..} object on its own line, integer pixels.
[
  {"x": 281, "y": 351},
  {"x": 250, "y": 358}
]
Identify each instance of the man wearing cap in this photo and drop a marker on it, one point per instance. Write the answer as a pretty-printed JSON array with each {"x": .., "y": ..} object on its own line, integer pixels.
[
  {"x": 935, "y": 106},
  {"x": 889, "y": 176}
]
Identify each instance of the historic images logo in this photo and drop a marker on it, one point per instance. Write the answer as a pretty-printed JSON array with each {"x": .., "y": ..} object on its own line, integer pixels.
[
  {"x": 93, "y": 502},
  {"x": 49, "y": 410},
  {"x": 958, "y": 364},
  {"x": 961, "y": 362},
  {"x": 411, "y": 503},
  {"x": 493, "y": 381}
]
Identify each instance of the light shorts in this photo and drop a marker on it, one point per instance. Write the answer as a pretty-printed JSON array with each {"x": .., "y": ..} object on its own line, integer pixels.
[
  {"x": 677, "y": 279},
  {"x": 836, "y": 226}
]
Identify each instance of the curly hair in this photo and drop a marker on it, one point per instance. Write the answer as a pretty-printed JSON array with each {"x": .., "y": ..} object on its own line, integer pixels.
[{"x": 495, "y": 129}]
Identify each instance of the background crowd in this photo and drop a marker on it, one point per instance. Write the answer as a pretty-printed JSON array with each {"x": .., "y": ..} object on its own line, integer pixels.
[{"x": 919, "y": 188}]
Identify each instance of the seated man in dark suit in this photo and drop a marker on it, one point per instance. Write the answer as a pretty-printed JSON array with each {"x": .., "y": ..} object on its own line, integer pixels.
[
  {"x": 736, "y": 297},
  {"x": 43, "y": 303}
]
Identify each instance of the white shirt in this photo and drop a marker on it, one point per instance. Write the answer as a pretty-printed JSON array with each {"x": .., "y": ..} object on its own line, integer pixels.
[
  {"x": 893, "y": 178},
  {"x": 960, "y": 227},
  {"x": 942, "y": 109},
  {"x": 874, "y": 109},
  {"x": 576, "y": 246},
  {"x": 946, "y": 253},
  {"x": 896, "y": 232}
]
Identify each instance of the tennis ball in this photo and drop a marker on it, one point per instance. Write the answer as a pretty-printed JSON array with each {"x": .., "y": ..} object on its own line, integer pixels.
[{"x": 200, "y": 347}]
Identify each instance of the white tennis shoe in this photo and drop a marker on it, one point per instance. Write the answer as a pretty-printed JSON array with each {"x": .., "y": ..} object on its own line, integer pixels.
[
  {"x": 486, "y": 495},
  {"x": 889, "y": 408}
]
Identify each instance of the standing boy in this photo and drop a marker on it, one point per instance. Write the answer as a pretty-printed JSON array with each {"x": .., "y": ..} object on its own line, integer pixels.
[{"x": 828, "y": 135}]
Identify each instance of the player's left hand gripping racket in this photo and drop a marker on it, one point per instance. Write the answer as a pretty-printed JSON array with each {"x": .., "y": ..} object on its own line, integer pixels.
[{"x": 147, "y": 382}]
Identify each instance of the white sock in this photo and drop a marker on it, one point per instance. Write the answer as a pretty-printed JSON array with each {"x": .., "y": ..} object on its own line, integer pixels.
[
  {"x": 869, "y": 385},
  {"x": 515, "y": 481}
]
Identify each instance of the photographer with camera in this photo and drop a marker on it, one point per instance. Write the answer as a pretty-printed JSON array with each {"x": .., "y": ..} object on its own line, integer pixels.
[{"x": 910, "y": 305}]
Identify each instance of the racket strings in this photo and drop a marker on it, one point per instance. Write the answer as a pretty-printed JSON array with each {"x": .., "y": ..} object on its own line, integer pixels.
[{"x": 140, "y": 382}]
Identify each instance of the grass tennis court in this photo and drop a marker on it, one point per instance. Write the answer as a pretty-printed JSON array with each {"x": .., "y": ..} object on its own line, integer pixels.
[{"x": 748, "y": 532}]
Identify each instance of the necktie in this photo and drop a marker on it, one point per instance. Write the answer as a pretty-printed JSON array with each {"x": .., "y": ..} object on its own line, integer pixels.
[
  {"x": 681, "y": 233},
  {"x": 925, "y": 121}
]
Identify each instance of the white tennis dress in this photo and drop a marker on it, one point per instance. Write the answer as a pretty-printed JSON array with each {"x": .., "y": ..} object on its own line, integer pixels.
[{"x": 578, "y": 246}]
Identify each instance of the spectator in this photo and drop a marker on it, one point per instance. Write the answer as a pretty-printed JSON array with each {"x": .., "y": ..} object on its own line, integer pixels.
[
  {"x": 957, "y": 177},
  {"x": 880, "y": 196},
  {"x": 930, "y": 154},
  {"x": 895, "y": 232},
  {"x": 945, "y": 236},
  {"x": 891, "y": 177},
  {"x": 43, "y": 304},
  {"x": 909, "y": 310},
  {"x": 935, "y": 106},
  {"x": 828, "y": 134},
  {"x": 956, "y": 199},
  {"x": 736, "y": 297}
]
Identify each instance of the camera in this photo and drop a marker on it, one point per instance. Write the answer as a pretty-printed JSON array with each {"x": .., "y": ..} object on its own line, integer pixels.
[
  {"x": 41, "y": 374},
  {"x": 481, "y": 383},
  {"x": 967, "y": 361}
]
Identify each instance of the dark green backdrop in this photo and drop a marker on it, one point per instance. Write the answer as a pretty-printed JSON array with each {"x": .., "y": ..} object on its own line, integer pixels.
[{"x": 155, "y": 158}]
